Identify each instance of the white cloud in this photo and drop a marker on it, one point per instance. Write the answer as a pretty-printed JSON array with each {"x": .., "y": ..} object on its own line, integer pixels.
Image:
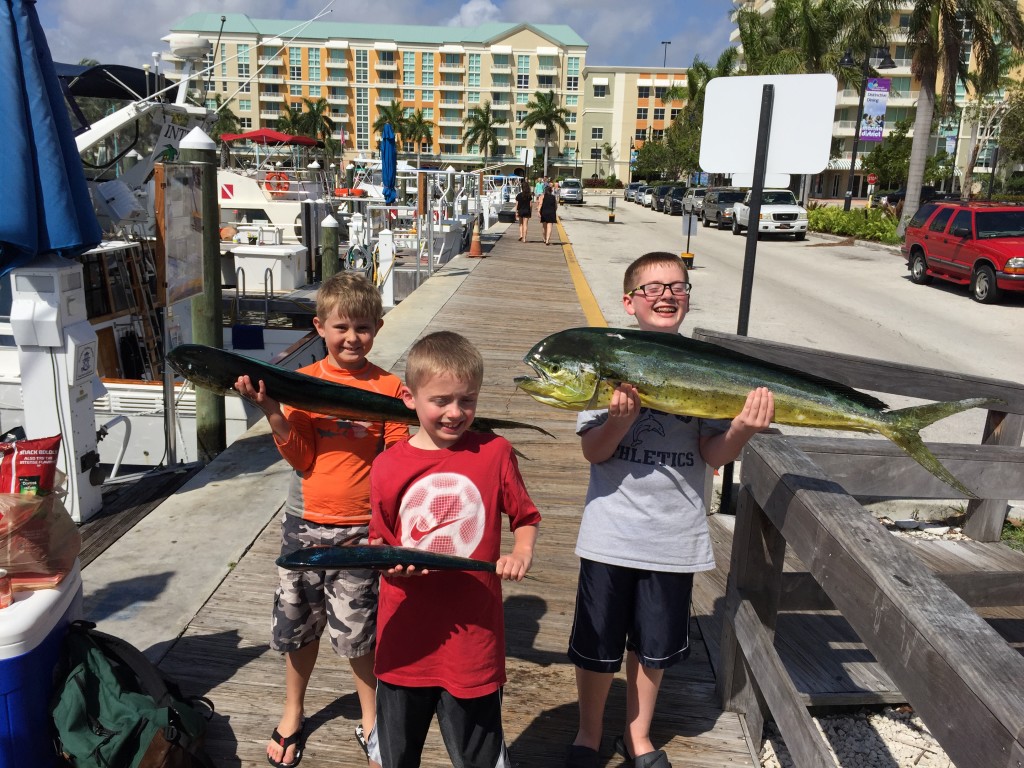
[{"x": 475, "y": 12}]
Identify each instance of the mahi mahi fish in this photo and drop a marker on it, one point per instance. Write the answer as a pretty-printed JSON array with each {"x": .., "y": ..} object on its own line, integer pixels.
[
  {"x": 379, "y": 558},
  {"x": 218, "y": 370},
  {"x": 578, "y": 369}
]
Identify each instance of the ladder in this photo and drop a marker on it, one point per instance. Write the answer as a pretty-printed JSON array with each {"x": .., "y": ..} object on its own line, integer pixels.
[{"x": 133, "y": 277}]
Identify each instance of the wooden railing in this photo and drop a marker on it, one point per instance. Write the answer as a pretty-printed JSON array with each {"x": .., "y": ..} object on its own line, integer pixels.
[{"x": 960, "y": 676}]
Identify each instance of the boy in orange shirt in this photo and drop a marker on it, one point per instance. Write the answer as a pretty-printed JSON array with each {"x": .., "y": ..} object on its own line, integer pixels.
[{"x": 328, "y": 503}]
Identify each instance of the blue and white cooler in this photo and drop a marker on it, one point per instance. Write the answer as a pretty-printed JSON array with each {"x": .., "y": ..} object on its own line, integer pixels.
[{"x": 31, "y": 633}]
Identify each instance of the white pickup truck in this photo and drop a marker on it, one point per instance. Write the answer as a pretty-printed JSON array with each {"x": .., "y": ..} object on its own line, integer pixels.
[{"x": 780, "y": 213}]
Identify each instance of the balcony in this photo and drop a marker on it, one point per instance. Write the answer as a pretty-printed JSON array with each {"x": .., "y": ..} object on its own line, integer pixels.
[
  {"x": 451, "y": 138},
  {"x": 336, "y": 62},
  {"x": 383, "y": 102},
  {"x": 388, "y": 66},
  {"x": 338, "y": 99},
  {"x": 506, "y": 70},
  {"x": 451, "y": 87},
  {"x": 271, "y": 96},
  {"x": 500, "y": 105},
  {"x": 271, "y": 115},
  {"x": 455, "y": 122},
  {"x": 457, "y": 68},
  {"x": 547, "y": 71},
  {"x": 272, "y": 79},
  {"x": 337, "y": 80},
  {"x": 270, "y": 60}
]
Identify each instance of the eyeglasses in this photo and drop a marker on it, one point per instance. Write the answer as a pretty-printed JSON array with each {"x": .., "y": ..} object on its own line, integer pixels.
[{"x": 657, "y": 290}]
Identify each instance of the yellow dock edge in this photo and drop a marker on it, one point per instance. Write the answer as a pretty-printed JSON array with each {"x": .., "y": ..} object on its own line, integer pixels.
[{"x": 591, "y": 310}]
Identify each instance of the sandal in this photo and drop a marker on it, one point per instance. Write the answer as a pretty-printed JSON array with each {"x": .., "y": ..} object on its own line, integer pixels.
[
  {"x": 297, "y": 738},
  {"x": 361, "y": 738},
  {"x": 656, "y": 759}
]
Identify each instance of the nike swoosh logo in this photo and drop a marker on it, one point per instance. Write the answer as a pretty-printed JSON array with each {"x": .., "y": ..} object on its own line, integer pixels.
[{"x": 417, "y": 534}]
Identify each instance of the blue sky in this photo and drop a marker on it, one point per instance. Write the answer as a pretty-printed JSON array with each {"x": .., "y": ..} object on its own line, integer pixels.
[{"x": 620, "y": 32}]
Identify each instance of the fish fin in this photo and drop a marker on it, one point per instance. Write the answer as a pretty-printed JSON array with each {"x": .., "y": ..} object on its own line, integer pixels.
[
  {"x": 486, "y": 424},
  {"x": 904, "y": 426}
]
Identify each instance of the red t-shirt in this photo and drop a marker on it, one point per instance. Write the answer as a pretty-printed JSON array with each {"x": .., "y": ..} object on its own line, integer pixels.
[
  {"x": 331, "y": 456},
  {"x": 446, "y": 629}
]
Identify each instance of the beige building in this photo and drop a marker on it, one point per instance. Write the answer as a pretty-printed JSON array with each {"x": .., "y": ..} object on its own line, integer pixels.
[
  {"x": 622, "y": 108},
  {"x": 260, "y": 66}
]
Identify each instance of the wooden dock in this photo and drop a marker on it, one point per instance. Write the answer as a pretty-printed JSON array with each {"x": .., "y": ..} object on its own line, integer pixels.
[{"x": 517, "y": 295}]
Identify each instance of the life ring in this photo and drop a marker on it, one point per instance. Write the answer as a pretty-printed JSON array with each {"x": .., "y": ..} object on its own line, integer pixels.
[{"x": 277, "y": 184}]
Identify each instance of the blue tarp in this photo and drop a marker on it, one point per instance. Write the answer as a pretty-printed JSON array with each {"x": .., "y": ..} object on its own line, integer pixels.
[
  {"x": 388, "y": 163},
  {"x": 44, "y": 201}
]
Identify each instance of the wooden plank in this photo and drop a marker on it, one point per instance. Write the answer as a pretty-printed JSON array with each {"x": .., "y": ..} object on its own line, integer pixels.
[
  {"x": 939, "y": 652},
  {"x": 985, "y": 516}
]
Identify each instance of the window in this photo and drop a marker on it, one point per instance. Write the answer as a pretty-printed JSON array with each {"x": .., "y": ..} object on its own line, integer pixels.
[
  {"x": 546, "y": 82},
  {"x": 408, "y": 68},
  {"x": 522, "y": 65},
  {"x": 501, "y": 81},
  {"x": 570, "y": 118},
  {"x": 522, "y": 81},
  {"x": 572, "y": 101},
  {"x": 427, "y": 67},
  {"x": 643, "y": 92},
  {"x": 294, "y": 63},
  {"x": 570, "y": 135},
  {"x": 408, "y": 94},
  {"x": 313, "y": 62},
  {"x": 600, "y": 91},
  {"x": 659, "y": 92},
  {"x": 520, "y": 115},
  {"x": 595, "y": 153},
  {"x": 640, "y": 135},
  {"x": 243, "y": 61},
  {"x": 546, "y": 62},
  {"x": 675, "y": 113},
  {"x": 245, "y": 87},
  {"x": 244, "y": 105},
  {"x": 212, "y": 104},
  {"x": 522, "y": 98},
  {"x": 939, "y": 222},
  {"x": 294, "y": 90},
  {"x": 474, "y": 70},
  {"x": 427, "y": 96},
  {"x": 245, "y": 123},
  {"x": 657, "y": 134},
  {"x": 659, "y": 113},
  {"x": 388, "y": 94},
  {"x": 314, "y": 91},
  {"x": 962, "y": 220},
  {"x": 597, "y": 133},
  {"x": 522, "y": 133},
  {"x": 473, "y": 97},
  {"x": 362, "y": 112},
  {"x": 362, "y": 67},
  {"x": 573, "y": 66},
  {"x": 572, "y": 83},
  {"x": 223, "y": 60},
  {"x": 452, "y": 60},
  {"x": 428, "y": 113},
  {"x": 641, "y": 113},
  {"x": 499, "y": 61},
  {"x": 386, "y": 57}
]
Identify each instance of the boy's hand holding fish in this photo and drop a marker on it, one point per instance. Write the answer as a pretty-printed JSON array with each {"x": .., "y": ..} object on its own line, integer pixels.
[{"x": 756, "y": 416}]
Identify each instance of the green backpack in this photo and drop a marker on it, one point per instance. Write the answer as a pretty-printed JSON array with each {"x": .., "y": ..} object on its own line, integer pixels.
[{"x": 113, "y": 709}]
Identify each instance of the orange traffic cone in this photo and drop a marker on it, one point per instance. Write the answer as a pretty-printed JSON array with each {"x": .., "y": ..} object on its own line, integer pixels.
[{"x": 475, "y": 248}]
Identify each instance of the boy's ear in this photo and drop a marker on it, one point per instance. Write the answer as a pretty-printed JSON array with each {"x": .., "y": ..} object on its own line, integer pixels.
[
  {"x": 407, "y": 397},
  {"x": 319, "y": 326}
]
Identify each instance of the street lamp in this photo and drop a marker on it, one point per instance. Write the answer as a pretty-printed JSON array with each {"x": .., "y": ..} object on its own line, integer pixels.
[
  {"x": 579, "y": 173},
  {"x": 847, "y": 61},
  {"x": 664, "y": 59},
  {"x": 630, "y": 162}
]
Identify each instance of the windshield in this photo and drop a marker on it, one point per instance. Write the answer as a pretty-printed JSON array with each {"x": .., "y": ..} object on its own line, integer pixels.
[
  {"x": 571, "y": 183},
  {"x": 730, "y": 197},
  {"x": 699, "y": 192},
  {"x": 993, "y": 224},
  {"x": 774, "y": 197}
]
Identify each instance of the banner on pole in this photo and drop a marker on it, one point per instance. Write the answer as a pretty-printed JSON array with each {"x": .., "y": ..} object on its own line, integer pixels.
[{"x": 876, "y": 97}]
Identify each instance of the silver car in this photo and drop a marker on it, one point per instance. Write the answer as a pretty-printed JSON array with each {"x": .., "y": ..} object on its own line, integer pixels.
[{"x": 570, "y": 191}]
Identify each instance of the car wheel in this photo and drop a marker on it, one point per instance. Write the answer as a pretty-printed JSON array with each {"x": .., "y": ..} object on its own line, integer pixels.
[
  {"x": 799, "y": 235},
  {"x": 735, "y": 227},
  {"x": 919, "y": 269},
  {"x": 706, "y": 223},
  {"x": 983, "y": 285},
  {"x": 719, "y": 223}
]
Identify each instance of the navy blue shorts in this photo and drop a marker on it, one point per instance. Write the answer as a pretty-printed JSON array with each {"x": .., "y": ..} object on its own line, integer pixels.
[{"x": 619, "y": 609}]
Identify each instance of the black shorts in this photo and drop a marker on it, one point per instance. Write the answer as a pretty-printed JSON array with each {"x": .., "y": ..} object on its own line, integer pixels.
[
  {"x": 524, "y": 214},
  {"x": 618, "y": 609},
  {"x": 470, "y": 728}
]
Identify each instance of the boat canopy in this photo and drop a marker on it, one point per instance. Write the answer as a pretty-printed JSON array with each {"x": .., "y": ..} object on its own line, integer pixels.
[{"x": 269, "y": 136}]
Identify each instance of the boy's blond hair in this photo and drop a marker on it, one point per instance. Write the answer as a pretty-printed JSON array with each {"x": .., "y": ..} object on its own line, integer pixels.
[
  {"x": 352, "y": 294},
  {"x": 444, "y": 352},
  {"x": 648, "y": 260}
]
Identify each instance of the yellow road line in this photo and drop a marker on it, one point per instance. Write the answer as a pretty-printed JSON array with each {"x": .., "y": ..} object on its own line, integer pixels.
[{"x": 591, "y": 310}]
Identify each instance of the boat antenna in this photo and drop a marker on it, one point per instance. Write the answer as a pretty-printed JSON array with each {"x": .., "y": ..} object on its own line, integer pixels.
[{"x": 216, "y": 47}]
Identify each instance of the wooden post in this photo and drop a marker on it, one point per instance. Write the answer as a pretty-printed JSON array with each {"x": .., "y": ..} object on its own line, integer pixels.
[
  {"x": 207, "y": 323},
  {"x": 330, "y": 262}
]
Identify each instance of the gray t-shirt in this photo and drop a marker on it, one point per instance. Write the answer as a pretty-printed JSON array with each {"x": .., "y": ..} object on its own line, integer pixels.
[{"x": 644, "y": 505}]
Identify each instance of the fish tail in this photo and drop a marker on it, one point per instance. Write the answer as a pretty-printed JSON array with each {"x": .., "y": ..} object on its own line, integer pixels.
[{"x": 904, "y": 426}]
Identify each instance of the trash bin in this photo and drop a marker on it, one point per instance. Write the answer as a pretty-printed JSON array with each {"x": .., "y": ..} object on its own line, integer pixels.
[{"x": 31, "y": 634}]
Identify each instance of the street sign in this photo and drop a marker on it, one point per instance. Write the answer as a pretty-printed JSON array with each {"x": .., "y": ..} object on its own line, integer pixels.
[{"x": 872, "y": 178}]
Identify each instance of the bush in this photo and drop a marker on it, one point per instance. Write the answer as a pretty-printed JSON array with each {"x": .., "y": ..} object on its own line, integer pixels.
[
  {"x": 602, "y": 183},
  {"x": 862, "y": 223}
]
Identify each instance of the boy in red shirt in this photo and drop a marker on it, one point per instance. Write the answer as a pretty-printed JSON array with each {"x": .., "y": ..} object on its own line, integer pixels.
[
  {"x": 441, "y": 635},
  {"x": 328, "y": 503}
]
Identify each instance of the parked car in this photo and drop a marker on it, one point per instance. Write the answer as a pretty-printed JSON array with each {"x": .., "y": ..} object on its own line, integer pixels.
[
  {"x": 976, "y": 244},
  {"x": 780, "y": 213},
  {"x": 718, "y": 203},
  {"x": 674, "y": 201},
  {"x": 927, "y": 195},
  {"x": 647, "y": 198},
  {"x": 694, "y": 201},
  {"x": 658, "y": 202},
  {"x": 571, "y": 191},
  {"x": 631, "y": 188}
]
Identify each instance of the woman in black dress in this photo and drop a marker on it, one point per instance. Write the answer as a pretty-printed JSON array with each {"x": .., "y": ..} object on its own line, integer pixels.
[
  {"x": 548, "y": 215},
  {"x": 524, "y": 207}
]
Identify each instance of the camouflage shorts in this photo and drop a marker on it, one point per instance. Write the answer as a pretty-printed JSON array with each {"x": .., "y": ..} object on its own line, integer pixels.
[{"x": 343, "y": 601}]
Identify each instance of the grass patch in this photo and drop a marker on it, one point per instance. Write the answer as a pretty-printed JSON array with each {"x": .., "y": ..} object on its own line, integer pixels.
[{"x": 1013, "y": 534}]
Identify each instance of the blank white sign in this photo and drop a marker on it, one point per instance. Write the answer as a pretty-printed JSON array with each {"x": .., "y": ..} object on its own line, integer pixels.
[{"x": 801, "y": 130}]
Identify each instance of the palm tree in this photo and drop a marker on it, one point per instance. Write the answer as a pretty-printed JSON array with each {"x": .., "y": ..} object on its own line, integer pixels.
[
  {"x": 936, "y": 40},
  {"x": 608, "y": 154},
  {"x": 800, "y": 36},
  {"x": 417, "y": 130},
  {"x": 545, "y": 111},
  {"x": 393, "y": 113},
  {"x": 316, "y": 120},
  {"x": 481, "y": 129},
  {"x": 227, "y": 122},
  {"x": 291, "y": 120}
]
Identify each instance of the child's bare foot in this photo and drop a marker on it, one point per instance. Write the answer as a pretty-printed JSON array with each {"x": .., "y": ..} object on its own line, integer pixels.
[{"x": 287, "y": 742}]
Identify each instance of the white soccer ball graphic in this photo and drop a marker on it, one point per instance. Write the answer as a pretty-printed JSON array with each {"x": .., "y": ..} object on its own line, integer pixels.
[{"x": 443, "y": 513}]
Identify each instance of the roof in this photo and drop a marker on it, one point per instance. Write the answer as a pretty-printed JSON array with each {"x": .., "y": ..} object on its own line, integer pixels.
[{"x": 482, "y": 34}]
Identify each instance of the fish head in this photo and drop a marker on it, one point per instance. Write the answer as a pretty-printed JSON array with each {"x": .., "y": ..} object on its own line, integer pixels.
[{"x": 566, "y": 376}]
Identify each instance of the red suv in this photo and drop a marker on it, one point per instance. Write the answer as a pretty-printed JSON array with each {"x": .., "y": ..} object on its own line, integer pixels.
[{"x": 976, "y": 244}]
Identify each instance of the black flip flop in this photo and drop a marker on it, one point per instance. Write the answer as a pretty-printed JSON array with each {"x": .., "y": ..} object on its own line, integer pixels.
[
  {"x": 361, "y": 738},
  {"x": 656, "y": 759},
  {"x": 297, "y": 738}
]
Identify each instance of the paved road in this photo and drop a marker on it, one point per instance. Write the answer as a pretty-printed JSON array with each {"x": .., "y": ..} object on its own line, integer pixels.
[{"x": 852, "y": 299}]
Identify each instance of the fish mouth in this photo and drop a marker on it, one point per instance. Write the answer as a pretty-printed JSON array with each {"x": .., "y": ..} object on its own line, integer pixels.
[{"x": 547, "y": 390}]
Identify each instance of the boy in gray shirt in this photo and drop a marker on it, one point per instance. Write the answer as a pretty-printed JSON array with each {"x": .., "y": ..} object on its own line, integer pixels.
[{"x": 644, "y": 532}]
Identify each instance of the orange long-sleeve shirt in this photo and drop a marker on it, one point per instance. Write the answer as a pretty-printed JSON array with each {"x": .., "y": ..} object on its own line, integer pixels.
[{"x": 331, "y": 456}]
